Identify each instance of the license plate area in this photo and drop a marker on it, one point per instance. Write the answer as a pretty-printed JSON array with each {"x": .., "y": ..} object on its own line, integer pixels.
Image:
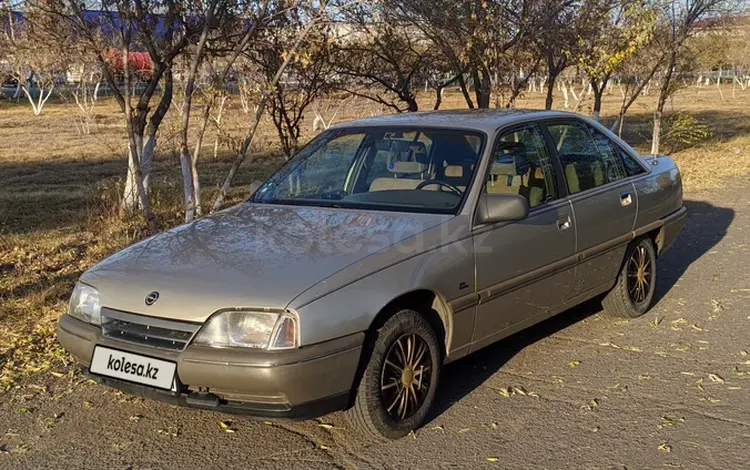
[{"x": 134, "y": 368}]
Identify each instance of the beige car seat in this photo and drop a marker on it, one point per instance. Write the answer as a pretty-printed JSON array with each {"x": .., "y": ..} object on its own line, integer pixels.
[{"x": 402, "y": 163}]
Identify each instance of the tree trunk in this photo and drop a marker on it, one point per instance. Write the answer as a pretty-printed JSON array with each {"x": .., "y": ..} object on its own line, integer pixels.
[
  {"x": 483, "y": 89},
  {"x": 217, "y": 120},
  {"x": 550, "y": 90},
  {"x": 598, "y": 89},
  {"x": 663, "y": 95},
  {"x": 438, "y": 98},
  {"x": 411, "y": 101},
  {"x": 147, "y": 159},
  {"x": 196, "y": 156},
  {"x": 465, "y": 91},
  {"x": 147, "y": 155}
]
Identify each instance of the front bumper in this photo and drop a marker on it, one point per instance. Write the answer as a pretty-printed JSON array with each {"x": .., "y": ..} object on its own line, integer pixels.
[{"x": 292, "y": 384}]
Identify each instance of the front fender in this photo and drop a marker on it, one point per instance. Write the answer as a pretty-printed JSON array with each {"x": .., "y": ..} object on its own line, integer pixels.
[{"x": 447, "y": 271}]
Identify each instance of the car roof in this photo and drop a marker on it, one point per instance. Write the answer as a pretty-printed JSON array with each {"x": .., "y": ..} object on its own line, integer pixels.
[{"x": 487, "y": 120}]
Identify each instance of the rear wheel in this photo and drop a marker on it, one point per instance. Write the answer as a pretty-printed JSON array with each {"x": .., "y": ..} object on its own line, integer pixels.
[
  {"x": 634, "y": 290},
  {"x": 400, "y": 381}
]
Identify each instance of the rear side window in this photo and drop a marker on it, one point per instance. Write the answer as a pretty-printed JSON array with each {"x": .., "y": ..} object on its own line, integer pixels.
[
  {"x": 627, "y": 164},
  {"x": 521, "y": 165},
  {"x": 585, "y": 164}
]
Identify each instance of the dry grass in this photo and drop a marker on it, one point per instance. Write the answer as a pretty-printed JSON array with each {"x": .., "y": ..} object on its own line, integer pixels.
[{"x": 58, "y": 192}]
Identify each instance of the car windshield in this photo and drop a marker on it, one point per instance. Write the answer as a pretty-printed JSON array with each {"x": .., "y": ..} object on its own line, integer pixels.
[{"x": 401, "y": 169}]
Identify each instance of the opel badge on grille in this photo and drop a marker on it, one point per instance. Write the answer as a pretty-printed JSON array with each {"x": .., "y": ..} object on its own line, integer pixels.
[{"x": 152, "y": 298}]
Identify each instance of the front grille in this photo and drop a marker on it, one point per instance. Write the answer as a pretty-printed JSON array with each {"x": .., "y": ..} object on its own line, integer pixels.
[{"x": 147, "y": 331}]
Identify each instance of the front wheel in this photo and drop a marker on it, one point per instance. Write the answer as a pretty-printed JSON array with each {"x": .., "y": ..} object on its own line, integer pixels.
[
  {"x": 399, "y": 384},
  {"x": 634, "y": 290}
]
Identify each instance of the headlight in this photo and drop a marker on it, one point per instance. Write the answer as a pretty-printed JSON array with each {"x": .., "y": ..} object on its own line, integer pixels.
[
  {"x": 243, "y": 329},
  {"x": 84, "y": 304}
]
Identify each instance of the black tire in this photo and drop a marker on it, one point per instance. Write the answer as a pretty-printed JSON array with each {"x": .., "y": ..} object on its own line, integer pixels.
[
  {"x": 370, "y": 413},
  {"x": 634, "y": 290}
]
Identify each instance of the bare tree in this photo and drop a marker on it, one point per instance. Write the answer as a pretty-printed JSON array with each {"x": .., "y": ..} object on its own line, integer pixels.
[
  {"x": 474, "y": 35},
  {"x": 678, "y": 19},
  {"x": 635, "y": 73},
  {"x": 614, "y": 31},
  {"x": 382, "y": 57},
  {"x": 37, "y": 61},
  {"x": 557, "y": 40},
  {"x": 317, "y": 14},
  {"x": 307, "y": 75},
  {"x": 113, "y": 36}
]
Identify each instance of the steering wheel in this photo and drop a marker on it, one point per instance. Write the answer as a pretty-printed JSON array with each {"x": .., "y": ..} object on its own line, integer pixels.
[{"x": 453, "y": 189}]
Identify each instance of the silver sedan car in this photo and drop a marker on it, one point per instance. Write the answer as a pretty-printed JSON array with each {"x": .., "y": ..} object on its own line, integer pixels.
[{"x": 385, "y": 249}]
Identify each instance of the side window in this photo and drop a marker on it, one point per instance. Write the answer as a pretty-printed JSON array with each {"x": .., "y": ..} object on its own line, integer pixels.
[
  {"x": 632, "y": 167},
  {"x": 521, "y": 165},
  {"x": 611, "y": 153},
  {"x": 587, "y": 162}
]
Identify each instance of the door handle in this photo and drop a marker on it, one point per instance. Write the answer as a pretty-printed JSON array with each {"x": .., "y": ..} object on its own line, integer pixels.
[
  {"x": 563, "y": 223},
  {"x": 626, "y": 199}
]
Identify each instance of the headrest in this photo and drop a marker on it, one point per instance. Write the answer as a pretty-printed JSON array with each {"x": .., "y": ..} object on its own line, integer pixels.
[
  {"x": 454, "y": 171},
  {"x": 511, "y": 148},
  {"x": 404, "y": 156},
  {"x": 504, "y": 169},
  {"x": 406, "y": 167},
  {"x": 510, "y": 160}
]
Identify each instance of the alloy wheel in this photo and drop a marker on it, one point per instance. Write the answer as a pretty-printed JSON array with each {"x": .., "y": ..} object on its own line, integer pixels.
[
  {"x": 639, "y": 275},
  {"x": 406, "y": 375}
]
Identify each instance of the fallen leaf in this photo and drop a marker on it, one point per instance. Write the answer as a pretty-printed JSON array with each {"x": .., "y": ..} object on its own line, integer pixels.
[
  {"x": 592, "y": 405},
  {"x": 492, "y": 459},
  {"x": 715, "y": 378},
  {"x": 461, "y": 431},
  {"x": 656, "y": 321},
  {"x": 57, "y": 374},
  {"x": 679, "y": 321},
  {"x": 664, "y": 447},
  {"x": 226, "y": 426},
  {"x": 670, "y": 422},
  {"x": 574, "y": 363},
  {"x": 595, "y": 429}
]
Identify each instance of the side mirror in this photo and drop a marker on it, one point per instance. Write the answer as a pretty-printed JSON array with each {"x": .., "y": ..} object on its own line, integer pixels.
[
  {"x": 494, "y": 208},
  {"x": 254, "y": 186}
]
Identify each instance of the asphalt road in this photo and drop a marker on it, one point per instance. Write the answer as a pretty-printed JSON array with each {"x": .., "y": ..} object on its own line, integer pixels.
[{"x": 578, "y": 391}]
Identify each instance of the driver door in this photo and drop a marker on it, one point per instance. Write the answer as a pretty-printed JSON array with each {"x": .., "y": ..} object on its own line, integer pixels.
[{"x": 524, "y": 269}]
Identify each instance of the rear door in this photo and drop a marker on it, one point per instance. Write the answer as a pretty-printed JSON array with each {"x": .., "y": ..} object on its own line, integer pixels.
[
  {"x": 524, "y": 269},
  {"x": 603, "y": 201}
]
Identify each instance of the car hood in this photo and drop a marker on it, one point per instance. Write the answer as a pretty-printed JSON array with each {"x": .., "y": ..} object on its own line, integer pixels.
[{"x": 252, "y": 255}]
